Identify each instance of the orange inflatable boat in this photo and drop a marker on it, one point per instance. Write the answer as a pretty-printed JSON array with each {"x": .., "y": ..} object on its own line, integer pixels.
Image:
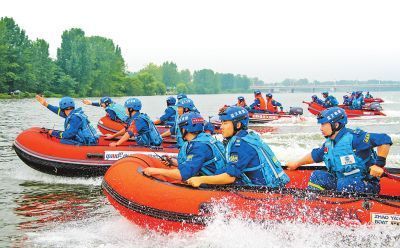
[
  {"x": 171, "y": 206},
  {"x": 45, "y": 153},
  {"x": 315, "y": 109}
]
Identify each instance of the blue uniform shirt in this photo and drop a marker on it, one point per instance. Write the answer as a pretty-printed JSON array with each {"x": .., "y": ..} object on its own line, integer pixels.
[
  {"x": 330, "y": 101},
  {"x": 255, "y": 104},
  {"x": 72, "y": 129},
  {"x": 363, "y": 144},
  {"x": 197, "y": 154},
  {"x": 136, "y": 126},
  {"x": 113, "y": 116},
  {"x": 243, "y": 156},
  {"x": 169, "y": 115},
  {"x": 318, "y": 101}
]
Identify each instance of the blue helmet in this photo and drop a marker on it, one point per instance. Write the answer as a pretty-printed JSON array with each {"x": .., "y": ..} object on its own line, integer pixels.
[
  {"x": 186, "y": 103},
  {"x": 66, "y": 102},
  {"x": 235, "y": 114},
  {"x": 333, "y": 115},
  {"x": 314, "y": 97},
  {"x": 106, "y": 100},
  {"x": 257, "y": 92},
  {"x": 192, "y": 122},
  {"x": 208, "y": 126},
  {"x": 133, "y": 103},
  {"x": 171, "y": 100},
  {"x": 240, "y": 98},
  {"x": 268, "y": 95},
  {"x": 345, "y": 96},
  {"x": 181, "y": 96},
  {"x": 325, "y": 93}
]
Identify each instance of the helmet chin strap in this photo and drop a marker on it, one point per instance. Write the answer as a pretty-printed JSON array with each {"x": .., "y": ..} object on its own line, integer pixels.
[
  {"x": 334, "y": 129},
  {"x": 184, "y": 133},
  {"x": 130, "y": 110}
]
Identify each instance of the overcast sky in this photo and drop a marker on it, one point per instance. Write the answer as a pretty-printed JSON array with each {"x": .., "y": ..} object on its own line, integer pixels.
[{"x": 273, "y": 40}]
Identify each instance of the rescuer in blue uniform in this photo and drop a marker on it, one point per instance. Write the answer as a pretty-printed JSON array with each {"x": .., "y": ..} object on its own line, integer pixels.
[
  {"x": 250, "y": 161},
  {"x": 139, "y": 125},
  {"x": 352, "y": 163},
  {"x": 77, "y": 128},
  {"x": 200, "y": 154},
  {"x": 115, "y": 111},
  {"x": 358, "y": 101},
  {"x": 330, "y": 101},
  {"x": 346, "y": 100},
  {"x": 184, "y": 105},
  {"x": 317, "y": 100},
  {"x": 170, "y": 113}
]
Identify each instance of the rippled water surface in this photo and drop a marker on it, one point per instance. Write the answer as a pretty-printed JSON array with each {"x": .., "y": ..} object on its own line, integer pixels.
[{"x": 40, "y": 210}]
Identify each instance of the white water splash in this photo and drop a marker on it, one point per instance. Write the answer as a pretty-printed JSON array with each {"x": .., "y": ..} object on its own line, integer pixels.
[{"x": 115, "y": 231}]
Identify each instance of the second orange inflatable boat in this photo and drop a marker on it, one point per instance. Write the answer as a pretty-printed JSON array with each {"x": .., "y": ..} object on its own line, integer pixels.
[{"x": 167, "y": 206}]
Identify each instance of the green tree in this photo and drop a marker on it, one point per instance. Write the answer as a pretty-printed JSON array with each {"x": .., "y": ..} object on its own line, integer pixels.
[
  {"x": 15, "y": 55},
  {"x": 206, "y": 82},
  {"x": 73, "y": 57},
  {"x": 182, "y": 88},
  {"x": 170, "y": 75},
  {"x": 134, "y": 87},
  {"x": 153, "y": 70},
  {"x": 185, "y": 76}
]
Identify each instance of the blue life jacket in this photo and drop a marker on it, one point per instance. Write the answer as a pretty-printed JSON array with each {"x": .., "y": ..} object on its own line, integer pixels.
[
  {"x": 330, "y": 101},
  {"x": 217, "y": 148},
  {"x": 357, "y": 103},
  {"x": 270, "y": 166},
  {"x": 178, "y": 134},
  {"x": 151, "y": 137},
  {"x": 172, "y": 119},
  {"x": 341, "y": 160},
  {"x": 119, "y": 111},
  {"x": 86, "y": 135}
]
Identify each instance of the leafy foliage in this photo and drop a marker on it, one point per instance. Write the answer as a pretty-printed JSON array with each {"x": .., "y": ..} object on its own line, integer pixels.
[{"x": 93, "y": 66}]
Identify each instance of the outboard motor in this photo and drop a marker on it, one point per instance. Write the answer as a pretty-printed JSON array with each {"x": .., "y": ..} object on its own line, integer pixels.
[
  {"x": 295, "y": 111},
  {"x": 375, "y": 106}
]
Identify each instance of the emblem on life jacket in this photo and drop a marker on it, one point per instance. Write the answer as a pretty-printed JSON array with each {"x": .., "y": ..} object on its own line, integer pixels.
[
  {"x": 237, "y": 142},
  {"x": 233, "y": 158},
  {"x": 326, "y": 149},
  {"x": 366, "y": 139},
  {"x": 189, "y": 157},
  {"x": 348, "y": 159}
]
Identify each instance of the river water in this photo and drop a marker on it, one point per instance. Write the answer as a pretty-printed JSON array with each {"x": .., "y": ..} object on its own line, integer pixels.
[{"x": 40, "y": 210}]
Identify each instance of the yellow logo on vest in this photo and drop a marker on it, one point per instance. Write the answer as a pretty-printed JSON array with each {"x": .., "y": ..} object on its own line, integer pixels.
[
  {"x": 366, "y": 139},
  {"x": 189, "y": 157},
  {"x": 233, "y": 158}
]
